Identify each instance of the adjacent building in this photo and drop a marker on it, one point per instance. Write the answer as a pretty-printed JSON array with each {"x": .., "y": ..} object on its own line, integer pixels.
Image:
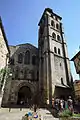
[
  {"x": 77, "y": 90},
  {"x": 4, "y": 48},
  {"x": 76, "y": 60},
  {"x": 4, "y": 57}
]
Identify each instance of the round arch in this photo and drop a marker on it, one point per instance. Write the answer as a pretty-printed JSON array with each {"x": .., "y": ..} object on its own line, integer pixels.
[
  {"x": 24, "y": 95},
  {"x": 25, "y": 92}
]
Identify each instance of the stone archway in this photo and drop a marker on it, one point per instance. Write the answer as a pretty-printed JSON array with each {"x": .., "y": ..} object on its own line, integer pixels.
[{"x": 24, "y": 95}]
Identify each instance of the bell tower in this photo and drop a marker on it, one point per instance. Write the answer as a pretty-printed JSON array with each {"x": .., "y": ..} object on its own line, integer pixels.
[{"x": 54, "y": 66}]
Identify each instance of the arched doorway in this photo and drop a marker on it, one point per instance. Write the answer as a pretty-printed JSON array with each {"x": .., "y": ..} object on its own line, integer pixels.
[{"x": 24, "y": 96}]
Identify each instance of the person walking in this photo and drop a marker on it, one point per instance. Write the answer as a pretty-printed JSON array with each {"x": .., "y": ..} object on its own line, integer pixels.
[
  {"x": 70, "y": 104},
  {"x": 61, "y": 105}
]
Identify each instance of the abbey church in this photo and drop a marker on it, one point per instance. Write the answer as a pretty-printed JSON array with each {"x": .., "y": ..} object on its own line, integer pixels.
[{"x": 39, "y": 73}]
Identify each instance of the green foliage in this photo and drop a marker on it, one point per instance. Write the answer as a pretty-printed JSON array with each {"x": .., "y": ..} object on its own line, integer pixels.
[
  {"x": 5, "y": 71},
  {"x": 65, "y": 113},
  {"x": 76, "y": 115},
  {"x": 2, "y": 70},
  {"x": 4, "y": 74}
]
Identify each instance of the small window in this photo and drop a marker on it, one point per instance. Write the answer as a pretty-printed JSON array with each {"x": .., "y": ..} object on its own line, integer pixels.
[
  {"x": 57, "y": 26},
  {"x": 52, "y": 15},
  {"x": 58, "y": 37},
  {"x": 56, "y": 18},
  {"x": 60, "y": 64},
  {"x": 62, "y": 81},
  {"x": 42, "y": 60},
  {"x": 58, "y": 51},
  {"x": 34, "y": 60},
  {"x": 27, "y": 57},
  {"x": 52, "y": 23},
  {"x": 37, "y": 75},
  {"x": 55, "y": 50},
  {"x": 41, "y": 30},
  {"x": 42, "y": 43},
  {"x": 54, "y": 35},
  {"x": 20, "y": 58}
]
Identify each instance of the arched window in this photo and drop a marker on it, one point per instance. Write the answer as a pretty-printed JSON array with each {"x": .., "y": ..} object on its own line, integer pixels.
[
  {"x": 58, "y": 37},
  {"x": 27, "y": 58},
  {"x": 60, "y": 64},
  {"x": 56, "y": 18},
  {"x": 52, "y": 23},
  {"x": 59, "y": 51},
  {"x": 55, "y": 50},
  {"x": 54, "y": 35},
  {"x": 20, "y": 58},
  {"x": 57, "y": 26},
  {"x": 34, "y": 60}
]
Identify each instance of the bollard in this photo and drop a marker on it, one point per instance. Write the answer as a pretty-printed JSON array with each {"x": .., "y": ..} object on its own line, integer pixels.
[{"x": 9, "y": 109}]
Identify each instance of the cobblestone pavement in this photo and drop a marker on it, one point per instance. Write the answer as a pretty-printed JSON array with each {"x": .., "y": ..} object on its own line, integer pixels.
[{"x": 16, "y": 114}]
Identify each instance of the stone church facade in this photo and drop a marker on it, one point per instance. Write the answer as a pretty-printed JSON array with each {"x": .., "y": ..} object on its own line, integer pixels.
[{"x": 42, "y": 72}]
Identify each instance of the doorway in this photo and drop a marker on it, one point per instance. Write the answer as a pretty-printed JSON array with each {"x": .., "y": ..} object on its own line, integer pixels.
[{"x": 24, "y": 96}]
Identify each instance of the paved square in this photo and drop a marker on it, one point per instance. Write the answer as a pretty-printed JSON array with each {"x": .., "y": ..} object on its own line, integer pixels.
[{"x": 16, "y": 114}]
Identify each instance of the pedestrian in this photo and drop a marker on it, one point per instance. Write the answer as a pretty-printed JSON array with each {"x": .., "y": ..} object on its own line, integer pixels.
[
  {"x": 61, "y": 105},
  {"x": 52, "y": 102},
  {"x": 56, "y": 107},
  {"x": 21, "y": 103},
  {"x": 35, "y": 107},
  {"x": 70, "y": 104},
  {"x": 66, "y": 104},
  {"x": 56, "y": 103}
]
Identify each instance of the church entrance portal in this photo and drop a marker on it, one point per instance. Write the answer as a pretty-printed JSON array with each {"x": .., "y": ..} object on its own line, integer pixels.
[{"x": 24, "y": 96}]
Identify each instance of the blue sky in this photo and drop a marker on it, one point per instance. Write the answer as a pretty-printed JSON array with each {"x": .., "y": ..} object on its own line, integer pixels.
[{"x": 20, "y": 19}]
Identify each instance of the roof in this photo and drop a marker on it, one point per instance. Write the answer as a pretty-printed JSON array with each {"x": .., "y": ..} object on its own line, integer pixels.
[
  {"x": 4, "y": 35},
  {"x": 75, "y": 56},
  {"x": 27, "y": 44},
  {"x": 50, "y": 11}
]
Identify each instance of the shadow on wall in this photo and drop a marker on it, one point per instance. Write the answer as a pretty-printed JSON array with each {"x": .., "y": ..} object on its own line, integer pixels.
[{"x": 60, "y": 92}]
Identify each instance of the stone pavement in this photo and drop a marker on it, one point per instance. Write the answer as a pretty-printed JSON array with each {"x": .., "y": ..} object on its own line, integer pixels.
[
  {"x": 46, "y": 115},
  {"x": 16, "y": 114}
]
